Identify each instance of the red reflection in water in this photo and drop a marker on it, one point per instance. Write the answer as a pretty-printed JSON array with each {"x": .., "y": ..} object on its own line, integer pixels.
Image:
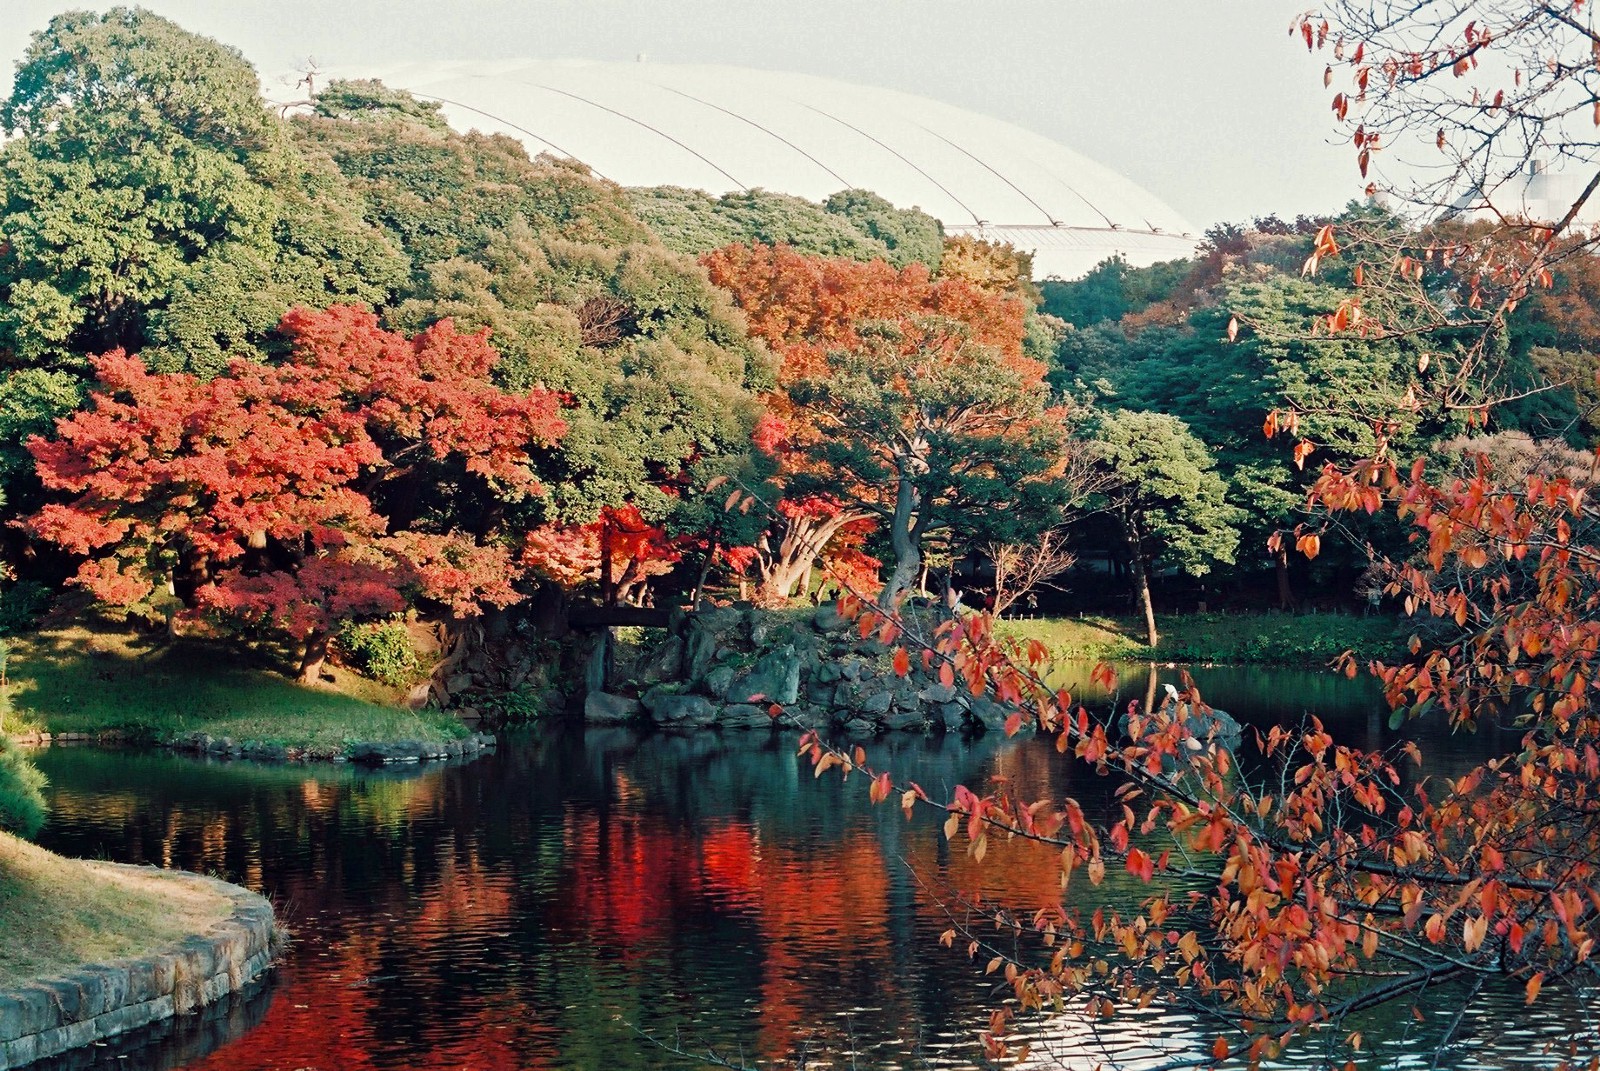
[{"x": 635, "y": 878}]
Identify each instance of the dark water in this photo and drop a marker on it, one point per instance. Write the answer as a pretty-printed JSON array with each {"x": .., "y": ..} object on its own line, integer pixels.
[{"x": 548, "y": 906}]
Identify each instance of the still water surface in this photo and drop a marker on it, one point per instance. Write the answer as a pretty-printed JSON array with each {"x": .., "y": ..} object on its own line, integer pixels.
[{"x": 548, "y": 906}]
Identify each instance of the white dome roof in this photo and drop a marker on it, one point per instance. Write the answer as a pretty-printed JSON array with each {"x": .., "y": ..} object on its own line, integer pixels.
[{"x": 724, "y": 129}]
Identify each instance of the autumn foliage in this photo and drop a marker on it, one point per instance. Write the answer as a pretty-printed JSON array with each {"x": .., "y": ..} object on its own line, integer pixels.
[
  {"x": 618, "y": 552},
  {"x": 899, "y": 393},
  {"x": 260, "y": 494},
  {"x": 1325, "y": 879}
]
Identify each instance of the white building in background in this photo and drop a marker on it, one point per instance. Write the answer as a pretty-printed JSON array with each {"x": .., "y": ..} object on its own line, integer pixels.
[
  {"x": 729, "y": 129},
  {"x": 1538, "y": 195}
]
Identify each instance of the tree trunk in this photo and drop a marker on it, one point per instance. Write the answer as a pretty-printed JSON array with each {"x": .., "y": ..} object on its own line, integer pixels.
[
  {"x": 905, "y": 539},
  {"x": 316, "y": 653},
  {"x": 1285, "y": 593},
  {"x": 1141, "y": 586},
  {"x": 705, "y": 571},
  {"x": 608, "y": 587},
  {"x": 803, "y": 540}
]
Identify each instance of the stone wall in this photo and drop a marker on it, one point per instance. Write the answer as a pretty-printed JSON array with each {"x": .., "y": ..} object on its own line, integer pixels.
[{"x": 100, "y": 1001}]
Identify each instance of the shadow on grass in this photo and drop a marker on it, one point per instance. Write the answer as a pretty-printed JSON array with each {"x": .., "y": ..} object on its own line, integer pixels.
[{"x": 98, "y": 676}]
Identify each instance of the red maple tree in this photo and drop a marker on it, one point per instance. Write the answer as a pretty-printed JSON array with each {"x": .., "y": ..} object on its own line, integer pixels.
[{"x": 258, "y": 495}]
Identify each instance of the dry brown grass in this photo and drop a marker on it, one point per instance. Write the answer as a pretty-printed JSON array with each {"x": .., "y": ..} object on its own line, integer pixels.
[{"x": 57, "y": 914}]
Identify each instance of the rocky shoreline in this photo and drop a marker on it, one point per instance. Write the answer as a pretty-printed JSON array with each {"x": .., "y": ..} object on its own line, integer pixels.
[
  {"x": 727, "y": 668},
  {"x": 368, "y": 753}
]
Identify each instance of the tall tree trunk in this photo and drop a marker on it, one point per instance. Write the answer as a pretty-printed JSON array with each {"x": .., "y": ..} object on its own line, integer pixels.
[
  {"x": 315, "y": 654},
  {"x": 705, "y": 571},
  {"x": 1285, "y": 592},
  {"x": 905, "y": 539},
  {"x": 1141, "y": 584}
]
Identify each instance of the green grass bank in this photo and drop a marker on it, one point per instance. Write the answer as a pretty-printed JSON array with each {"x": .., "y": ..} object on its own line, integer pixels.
[
  {"x": 98, "y": 680},
  {"x": 1235, "y": 639}
]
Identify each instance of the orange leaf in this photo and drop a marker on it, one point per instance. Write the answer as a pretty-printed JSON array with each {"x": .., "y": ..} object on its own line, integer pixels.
[
  {"x": 902, "y": 663},
  {"x": 1535, "y": 984},
  {"x": 1219, "y": 1049}
]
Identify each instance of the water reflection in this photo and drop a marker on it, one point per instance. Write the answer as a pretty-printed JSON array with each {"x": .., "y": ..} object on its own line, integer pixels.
[{"x": 540, "y": 907}]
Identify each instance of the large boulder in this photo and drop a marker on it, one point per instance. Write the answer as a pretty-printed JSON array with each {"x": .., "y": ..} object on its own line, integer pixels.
[
  {"x": 674, "y": 708},
  {"x": 904, "y": 720},
  {"x": 745, "y": 716},
  {"x": 603, "y": 708},
  {"x": 700, "y": 651},
  {"x": 876, "y": 703},
  {"x": 665, "y": 663},
  {"x": 719, "y": 681},
  {"x": 775, "y": 678}
]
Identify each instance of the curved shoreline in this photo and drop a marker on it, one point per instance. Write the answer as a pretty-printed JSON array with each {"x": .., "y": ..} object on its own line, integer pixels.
[
  {"x": 51, "y": 1016},
  {"x": 365, "y": 752}
]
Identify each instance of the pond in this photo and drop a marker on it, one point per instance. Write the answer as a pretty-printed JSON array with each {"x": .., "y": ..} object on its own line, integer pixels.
[{"x": 561, "y": 902}]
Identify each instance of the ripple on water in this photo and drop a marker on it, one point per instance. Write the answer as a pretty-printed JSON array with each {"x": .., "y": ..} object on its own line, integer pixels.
[{"x": 549, "y": 905}]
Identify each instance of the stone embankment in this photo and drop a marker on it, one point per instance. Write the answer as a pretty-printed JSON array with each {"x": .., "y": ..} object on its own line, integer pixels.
[
  {"x": 49, "y": 1017},
  {"x": 728, "y": 667},
  {"x": 372, "y": 753}
]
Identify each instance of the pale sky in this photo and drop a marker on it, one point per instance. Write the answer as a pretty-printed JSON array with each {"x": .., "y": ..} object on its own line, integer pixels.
[{"x": 1208, "y": 104}]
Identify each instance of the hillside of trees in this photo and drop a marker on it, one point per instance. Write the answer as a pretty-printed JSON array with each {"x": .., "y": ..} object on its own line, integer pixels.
[{"x": 250, "y": 360}]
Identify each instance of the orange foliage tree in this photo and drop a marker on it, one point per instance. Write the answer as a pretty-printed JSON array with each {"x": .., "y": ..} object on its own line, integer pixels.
[{"x": 901, "y": 397}]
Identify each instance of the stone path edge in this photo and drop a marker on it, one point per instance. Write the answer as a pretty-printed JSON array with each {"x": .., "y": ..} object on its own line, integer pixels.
[
  {"x": 98, "y": 1001},
  {"x": 371, "y": 753}
]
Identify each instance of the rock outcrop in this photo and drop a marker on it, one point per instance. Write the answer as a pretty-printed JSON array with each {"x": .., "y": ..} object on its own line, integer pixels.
[{"x": 744, "y": 667}]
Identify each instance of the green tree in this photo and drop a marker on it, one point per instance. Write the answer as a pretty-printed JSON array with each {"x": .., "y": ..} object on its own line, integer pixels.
[
  {"x": 909, "y": 234},
  {"x": 1163, "y": 494},
  {"x": 652, "y": 360},
  {"x": 857, "y": 224},
  {"x": 440, "y": 194},
  {"x": 30, "y": 401},
  {"x": 576, "y": 293},
  {"x": 1112, "y": 289},
  {"x": 151, "y": 202},
  {"x": 936, "y": 434}
]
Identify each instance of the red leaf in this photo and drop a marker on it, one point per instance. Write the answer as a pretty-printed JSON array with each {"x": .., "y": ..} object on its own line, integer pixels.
[{"x": 1141, "y": 865}]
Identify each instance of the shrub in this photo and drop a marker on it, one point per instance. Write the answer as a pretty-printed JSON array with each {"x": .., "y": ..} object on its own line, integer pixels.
[
  {"x": 517, "y": 706},
  {"x": 21, "y": 604},
  {"x": 21, "y": 792},
  {"x": 382, "y": 650}
]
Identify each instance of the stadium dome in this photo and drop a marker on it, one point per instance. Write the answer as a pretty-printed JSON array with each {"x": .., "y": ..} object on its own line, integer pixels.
[{"x": 728, "y": 129}]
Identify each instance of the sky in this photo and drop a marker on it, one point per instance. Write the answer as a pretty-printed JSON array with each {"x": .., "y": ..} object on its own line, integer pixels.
[{"x": 1208, "y": 104}]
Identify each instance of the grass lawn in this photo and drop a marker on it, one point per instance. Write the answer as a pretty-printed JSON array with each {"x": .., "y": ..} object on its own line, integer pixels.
[
  {"x": 59, "y": 914},
  {"x": 89, "y": 679},
  {"x": 1253, "y": 639}
]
